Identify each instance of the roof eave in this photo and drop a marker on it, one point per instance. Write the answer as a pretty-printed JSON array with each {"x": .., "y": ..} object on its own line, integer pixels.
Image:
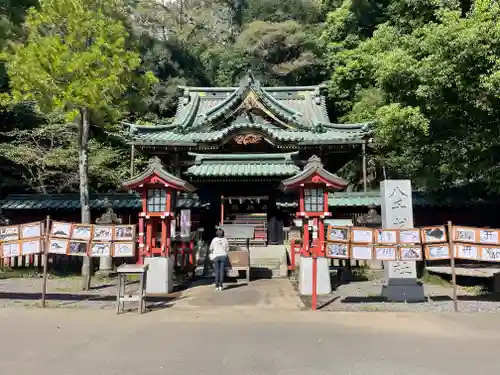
[
  {"x": 156, "y": 168},
  {"x": 331, "y": 142}
]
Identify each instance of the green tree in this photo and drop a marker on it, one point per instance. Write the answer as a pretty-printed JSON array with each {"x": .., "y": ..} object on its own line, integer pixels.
[
  {"x": 431, "y": 83},
  {"x": 74, "y": 60}
]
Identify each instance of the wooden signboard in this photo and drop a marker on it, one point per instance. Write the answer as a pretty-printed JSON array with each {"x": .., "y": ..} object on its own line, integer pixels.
[
  {"x": 362, "y": 235},
  {"x": 238, "y": 231},
  {"x": 337, "y": 234},
  {"x": 465, "y": 234},
  {"x": 437, "y": 252},
  {"x": 337, "y": 250},
  {"x": 434, "y": 234},
  {"x": 362, "y": 252}
]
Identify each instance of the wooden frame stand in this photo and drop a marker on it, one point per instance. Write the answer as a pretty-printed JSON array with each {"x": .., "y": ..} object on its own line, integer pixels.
[{"x": 121, "y": 296}]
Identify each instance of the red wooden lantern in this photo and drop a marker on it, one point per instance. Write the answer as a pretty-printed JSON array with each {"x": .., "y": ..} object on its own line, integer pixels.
[
  {"x": 158, "y": 190},
  {"x": 313, "y": 184}
]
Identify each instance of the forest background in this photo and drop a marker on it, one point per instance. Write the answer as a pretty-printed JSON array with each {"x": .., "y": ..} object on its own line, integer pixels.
[{"x": 427, "y": 72}]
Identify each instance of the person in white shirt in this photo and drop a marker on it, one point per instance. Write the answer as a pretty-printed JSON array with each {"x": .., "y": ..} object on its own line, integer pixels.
[{"x": 219, "y": 248}]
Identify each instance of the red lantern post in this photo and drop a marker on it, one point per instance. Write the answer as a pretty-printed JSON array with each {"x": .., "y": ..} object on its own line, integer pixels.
[
  {"x": 313, "y": 184},
  {"x": 158, "y": 189}
]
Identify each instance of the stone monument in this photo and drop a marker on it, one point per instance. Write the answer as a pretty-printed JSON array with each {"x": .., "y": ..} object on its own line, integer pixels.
[
  {"x": 108, "y": 217},
  {"x": 397, "y": 213}
]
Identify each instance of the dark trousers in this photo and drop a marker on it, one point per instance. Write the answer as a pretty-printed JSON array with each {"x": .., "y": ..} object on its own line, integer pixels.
[{"x": 219, "y": 264}]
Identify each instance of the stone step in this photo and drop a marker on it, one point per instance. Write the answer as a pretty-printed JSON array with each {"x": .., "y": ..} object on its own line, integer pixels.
[
  {"x": 271, "y": 263},
  {"x": 263, "y": 272},
  {"x": 266, "y": 265}
]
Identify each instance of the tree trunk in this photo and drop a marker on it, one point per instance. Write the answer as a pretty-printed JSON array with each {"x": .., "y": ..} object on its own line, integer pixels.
[{"x": 83, "y": 167}]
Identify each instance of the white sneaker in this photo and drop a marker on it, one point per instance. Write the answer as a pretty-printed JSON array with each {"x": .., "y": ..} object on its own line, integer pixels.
[{"x": 219, "y": 288}]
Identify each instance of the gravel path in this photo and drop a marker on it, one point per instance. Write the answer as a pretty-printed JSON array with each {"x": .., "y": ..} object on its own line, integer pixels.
[
  {"x": 65, "y": 292},
  {"x": 365, "y": 296}
]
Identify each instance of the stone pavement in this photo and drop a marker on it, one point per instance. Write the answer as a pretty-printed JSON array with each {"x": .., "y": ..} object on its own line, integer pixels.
[
  {"x": 265, "y": 293},
  {"x": 255, "y": 341}
]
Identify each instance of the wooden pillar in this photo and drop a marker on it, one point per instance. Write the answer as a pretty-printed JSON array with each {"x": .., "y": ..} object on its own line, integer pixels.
[
  {"x": 149, "y": 236},
  {"x": 365, "y": 183},
  {"x": 321, "y": 236},
  {"x": 167, "y": 222},
  {"x": 168, "y": 236},
  {"x": 325, "y": 200},
  {"x": 168, "y": 207},
  {"x": 177, "y": 165},
  {"x": 221, "y": 210},
  {"x": 305, "y": 241},
  {"x": 183, "y": 254},
  {"x": 164, "y": 244},
  {"x": 301, "y": 201},
  {"x": 191, "y": 253},
  {"x": 141, "y": 240}
]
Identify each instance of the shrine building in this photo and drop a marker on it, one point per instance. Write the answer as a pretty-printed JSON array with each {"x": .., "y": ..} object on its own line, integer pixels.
[{"x": 236, "y": 145}]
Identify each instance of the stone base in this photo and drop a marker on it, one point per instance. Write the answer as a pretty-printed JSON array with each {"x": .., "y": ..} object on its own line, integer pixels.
[
  {"x": 105, "y": 273},
  {"x": 160, "y": 275},
  {"x": 323, "y": 286},
  {"x": 375, "y": 265},
  {"x": 403, "y": 290}
]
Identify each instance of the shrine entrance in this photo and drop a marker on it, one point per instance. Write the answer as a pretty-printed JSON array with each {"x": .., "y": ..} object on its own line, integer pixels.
[{"x": 245, "y": 203}]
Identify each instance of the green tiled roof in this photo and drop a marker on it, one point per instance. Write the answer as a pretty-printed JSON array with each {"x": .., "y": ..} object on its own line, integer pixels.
[
  {"x": 69, "y": 201},
  {"x": 97, "y": 201},
  {"x": 242, "y": 165},
  {"x": 156, "y": 167},
  {"x": 372, "y": 198},
  {"x": 165, "y": 135},
  {"x": 344, "y": 199},
  {"x": 208, "y": 114}
]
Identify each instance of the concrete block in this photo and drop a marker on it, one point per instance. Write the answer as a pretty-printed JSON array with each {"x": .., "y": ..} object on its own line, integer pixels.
[
  {"x": 160, "y": 275},
  {"x": 324, "y": 285}
]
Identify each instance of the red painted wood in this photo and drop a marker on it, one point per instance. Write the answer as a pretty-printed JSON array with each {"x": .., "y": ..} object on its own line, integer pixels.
[
  {"x": 221, "y": 210},
  {"x": 164, "y": 245}
]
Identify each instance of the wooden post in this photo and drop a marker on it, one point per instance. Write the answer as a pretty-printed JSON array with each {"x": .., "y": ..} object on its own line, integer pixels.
[
  {"x": 221, "y": 210},
  {"x": 142, "y": 246},
  {"x": 452, "y": 264},
  {"x": 149, "y": 237},
  {"x": 164, "y": 246},
  {"x": 45, "y": 260},
  {"x": 365, "y": 183}
]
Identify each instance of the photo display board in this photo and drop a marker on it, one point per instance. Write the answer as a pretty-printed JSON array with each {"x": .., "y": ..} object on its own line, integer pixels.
[
  {"x": 66, "y": 238},
  {"x": 24, "y": 239},
  {"x": 410, "y": 244}
]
